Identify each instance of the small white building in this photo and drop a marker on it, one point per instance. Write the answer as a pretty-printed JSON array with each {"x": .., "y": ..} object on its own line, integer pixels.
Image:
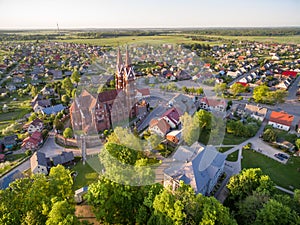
[{"x": 281, "y": 120}]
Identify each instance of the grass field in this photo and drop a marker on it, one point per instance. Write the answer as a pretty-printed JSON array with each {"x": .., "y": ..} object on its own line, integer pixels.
[
  {"x": 274, "y": 39},
  {"x": 118, "y": 41},
  {"x": 233, "y": 156},
  {"x": 230, "y": 139},
  {"x": 283, "y": 175},
  {"x": 182, "y": 39},
  {"x": 86, "y": 175}
]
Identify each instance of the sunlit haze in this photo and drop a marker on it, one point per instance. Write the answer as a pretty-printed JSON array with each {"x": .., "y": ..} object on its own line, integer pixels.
[{"x": 19, "y": 14}]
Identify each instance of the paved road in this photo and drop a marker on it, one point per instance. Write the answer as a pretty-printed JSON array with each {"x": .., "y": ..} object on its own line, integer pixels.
[
  {"x": 293, "y": 89},
  {"x": 157, "y": 112}
]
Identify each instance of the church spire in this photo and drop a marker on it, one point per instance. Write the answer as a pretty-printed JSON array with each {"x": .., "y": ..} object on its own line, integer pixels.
[
  {"x": 119, "y": 59},
  {"x": 127, "y": 60}
]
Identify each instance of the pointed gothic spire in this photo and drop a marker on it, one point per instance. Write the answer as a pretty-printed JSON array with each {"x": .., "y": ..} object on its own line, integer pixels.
[
  {"x": 127, "y": 60},
  {"x": 119, "y": 59}
]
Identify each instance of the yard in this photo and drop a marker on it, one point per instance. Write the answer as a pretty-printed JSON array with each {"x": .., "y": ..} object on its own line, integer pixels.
[
  {"x": 230, "y": 139},
  {"x": 233, "y": 157},
  {"x": 10, "y": 162},
  {"x": 85, "y": 175},
  {"x": 283, "y": 175}
]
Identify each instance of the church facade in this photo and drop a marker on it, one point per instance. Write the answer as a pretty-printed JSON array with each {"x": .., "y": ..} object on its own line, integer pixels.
[{"x": 93, "y": 113}]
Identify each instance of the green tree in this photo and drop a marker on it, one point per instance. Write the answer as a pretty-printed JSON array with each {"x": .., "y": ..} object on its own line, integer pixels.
[
  {"x": 269, "y": 135},
  {"x": 67, "y": 86},
  {"x": 154, "y": 140},
  {"x": 204, "y": 119},
  {"x": 275, "y": 212},
  {"x": 65, "y": 99},
  {"x": 297, "y": 142},
  {"x": 247, "y": 209},
  {"x": 34, "y": 91},
  {"x": 220, "y": 88},
  {"x": 190, "y": 129},
  {"x": 68, "y": 133},
  {"x": 249, "y": 180},
  {"x": 75, "y": 77},
  {"x": 58, "y": 124},
  {"x": 237, "y": 88},
  {"x": 260, "y": 93},
  {"x": 62, "y": 213}
]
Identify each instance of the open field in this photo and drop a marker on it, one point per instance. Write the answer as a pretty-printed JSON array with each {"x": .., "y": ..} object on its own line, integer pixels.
[
  {"x": 283, "y": 175},
  {"x": 274, "y": 39},
  {"x": 168, "y": 39}
]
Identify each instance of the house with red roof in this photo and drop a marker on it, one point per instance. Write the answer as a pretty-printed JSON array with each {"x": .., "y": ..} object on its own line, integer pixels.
[
  {"x": 33, "y": 141},
  {"x": 213, "y": 104},
  {"x": 172, "y": 117},
  {"x": 159, "y": 126},
  {"x": 281, "y": 120},
  {"x": 288, "y": 73}
]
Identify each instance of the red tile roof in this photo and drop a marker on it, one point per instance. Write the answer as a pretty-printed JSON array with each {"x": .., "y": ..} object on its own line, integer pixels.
[
  {"x": 172, "y": 114},
  {"x": 289, "y": 73},
  {"x": 243, "y": 83},
  {"x": 281, "y": 118}
]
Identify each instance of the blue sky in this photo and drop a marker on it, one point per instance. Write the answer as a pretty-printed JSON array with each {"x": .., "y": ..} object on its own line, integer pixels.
[{"x": 22, "y": 14}]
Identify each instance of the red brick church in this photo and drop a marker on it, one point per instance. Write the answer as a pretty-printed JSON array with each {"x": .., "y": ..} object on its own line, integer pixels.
[{"x": 93, "y": 113}]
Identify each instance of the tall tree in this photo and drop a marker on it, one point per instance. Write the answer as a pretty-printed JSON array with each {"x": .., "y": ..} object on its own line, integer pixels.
[
  {"x": 275, "y": 212},
  {"x": 75, "y": 77},
  {"x": 237, "y": 88},
  {"x": 67, "y": 86}
]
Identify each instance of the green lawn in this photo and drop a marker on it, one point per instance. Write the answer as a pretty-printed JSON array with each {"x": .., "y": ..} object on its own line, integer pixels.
[
  {"x": 14, "y": 157},
  {"x": 224, "y": 149},
  {"x": 230, "y": 139},
  {"x": 86, "y": 175},
  {"x": 233, "y": 156},
  {"x": 282, "y": 175}
]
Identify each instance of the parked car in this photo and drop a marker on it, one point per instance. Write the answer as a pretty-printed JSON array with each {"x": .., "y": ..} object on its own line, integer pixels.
[
  {"x": 283, "y": 155},
  {"x": 279, "y": 157}
]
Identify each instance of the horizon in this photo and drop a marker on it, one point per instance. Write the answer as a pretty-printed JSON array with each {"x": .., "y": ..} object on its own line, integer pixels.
[{"x": 155, "y": 14}]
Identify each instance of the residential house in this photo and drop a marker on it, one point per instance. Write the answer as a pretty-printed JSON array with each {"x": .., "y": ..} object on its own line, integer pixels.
[
  {"x": 41, "y": 104},
  {"x": 10, "y": 141},
  {"x": 63, "y": 158},
  {"x": 11, "y": 87},
  {"x": 184, "y": 103},
  {"x": 159, "y": 126},
  {"x": 39, "y": 163},
  {"x": 281, "y": 120},
  {"x": 142, "y": 93},
  {"x": 57, "y": 74},
  {"x": 46, "y": 91},
  {"x": 53, "y": 109},
  {"x": 213, "y": 104},
  {"x": 171, "y": 116},
  {"x": 256, "y": 112},
  {"x": 36, "y": 125},
  {"x": 198, "y": 166},
  {"x": 34, "y": 141},
  {"x": 174, "y": 136}
]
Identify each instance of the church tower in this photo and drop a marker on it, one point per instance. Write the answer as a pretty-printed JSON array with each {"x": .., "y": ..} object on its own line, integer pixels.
[{"x": 125, "y": 81}]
